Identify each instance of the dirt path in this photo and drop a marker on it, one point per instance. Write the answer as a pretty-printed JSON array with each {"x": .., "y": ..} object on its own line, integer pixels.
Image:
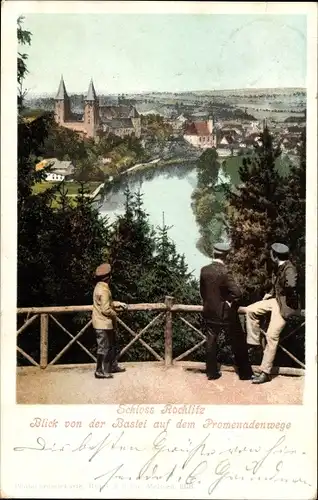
[{"x": 151, "y": 383}]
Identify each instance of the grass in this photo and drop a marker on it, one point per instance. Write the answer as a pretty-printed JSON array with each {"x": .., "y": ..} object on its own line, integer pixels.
[
  {"x": 72, "y": 187},
  {"x": 233, "y": 163}
]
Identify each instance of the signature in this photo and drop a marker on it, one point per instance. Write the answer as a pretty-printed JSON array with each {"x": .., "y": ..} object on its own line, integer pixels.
[{"x": 194, "y": 463}]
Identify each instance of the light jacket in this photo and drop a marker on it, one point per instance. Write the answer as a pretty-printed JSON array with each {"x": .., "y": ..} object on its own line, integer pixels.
[{"x": 104, "y": 315}]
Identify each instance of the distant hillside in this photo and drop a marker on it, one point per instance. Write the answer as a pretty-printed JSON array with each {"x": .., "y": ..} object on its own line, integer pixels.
[{"x": 193, "y": 93}]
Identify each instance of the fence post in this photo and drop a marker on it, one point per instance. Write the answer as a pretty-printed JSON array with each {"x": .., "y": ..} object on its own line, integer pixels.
[
  {"x": 44, "y": 340},
  {"x": 168, "y": 331}
]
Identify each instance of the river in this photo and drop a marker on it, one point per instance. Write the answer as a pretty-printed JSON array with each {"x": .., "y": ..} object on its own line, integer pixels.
[{"x": 167, "y": 195}]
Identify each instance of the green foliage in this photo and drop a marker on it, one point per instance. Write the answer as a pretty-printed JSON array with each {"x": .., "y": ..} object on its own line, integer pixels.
[
  {"x": 266, "y": 206},
  {"x": 208, "y": 168},
  {"x": 24, "y": 38},
  {"x": 131, "y": 252},
  {"x": 145, "y": 268},
  {"x": 253, "y": 212},
  {"x": 292, "y": 215},
  {"x": 58, "y": 248},
  {"x": 156, "y": 127},
  {"x": 207, "y": 203},
  {"x": 63, "y": 144},
  {"x": 86, "y": 154}
]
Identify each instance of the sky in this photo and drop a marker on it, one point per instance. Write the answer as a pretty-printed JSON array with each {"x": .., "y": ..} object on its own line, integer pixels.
[{"x": 178, "y": 52}]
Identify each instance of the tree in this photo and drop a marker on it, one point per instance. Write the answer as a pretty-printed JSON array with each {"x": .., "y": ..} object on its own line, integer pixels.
[
  {"x": 171, "y": 271},
  {"x": 252, "y": 212},
  {"x": 131, "y": 252},
  {"x": 62, "y": 142},
  {"x": 145, "y": 268},
  {"x": 206, "y": 201},
  {"x": 157, "y": 127},
  {"x": 24, "y": 38},
  {"x": 172, "y": 278},
  {"x": 58, "y": 246},
  {"x": 76, "y": 242},
  {"x": 292, "y": 216},
  {"x": 131, "y": 256}
]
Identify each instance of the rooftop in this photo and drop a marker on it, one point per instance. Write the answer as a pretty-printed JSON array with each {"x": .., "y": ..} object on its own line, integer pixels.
[
  {"x": 197, "y": 128},
  {"x": 119, "y": 123},
  {"x": 91, "y": 93},
  {"x": 61, "y": 93},
  {"x": 151, "y": 383},
  {"x": 56, "y": 166},
  {"x": 120, "y": 111}
]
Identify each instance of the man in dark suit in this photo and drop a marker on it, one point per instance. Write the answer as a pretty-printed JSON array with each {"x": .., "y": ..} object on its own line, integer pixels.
[
  {"x": 282, "y": 302},
  {"x": 220, "y": 295}
]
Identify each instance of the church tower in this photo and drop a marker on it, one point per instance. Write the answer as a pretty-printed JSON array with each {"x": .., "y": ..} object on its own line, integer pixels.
[
  {"x": 211, "y": 129},
  {"x": 91, "y": 111},
  {"x": 62, "y": 104},
  {"x": 136, "y": 121}
]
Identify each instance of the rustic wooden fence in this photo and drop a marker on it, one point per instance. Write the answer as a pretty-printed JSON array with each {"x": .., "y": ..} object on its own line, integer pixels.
[{"x": 168, "y": 309}]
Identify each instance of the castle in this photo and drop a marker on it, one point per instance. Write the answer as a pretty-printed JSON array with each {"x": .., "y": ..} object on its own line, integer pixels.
[{"x": 121, "y": 120}]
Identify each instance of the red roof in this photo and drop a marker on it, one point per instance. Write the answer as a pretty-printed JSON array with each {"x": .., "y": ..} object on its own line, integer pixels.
[{"x": 197, "y": 128}]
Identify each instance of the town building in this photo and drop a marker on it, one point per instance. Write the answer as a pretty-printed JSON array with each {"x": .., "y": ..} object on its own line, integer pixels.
[
  {"x": 200, "y": 134},
  {"x": 57, "y": 170},
  {"x": 120, "y": 120}
]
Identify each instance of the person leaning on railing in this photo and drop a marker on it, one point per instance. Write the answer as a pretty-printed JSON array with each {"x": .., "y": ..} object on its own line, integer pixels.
[
  {"x": 282, "y": 302},
  {"x": 104, "y": 320},
  {"x": 221, "y": 295}
]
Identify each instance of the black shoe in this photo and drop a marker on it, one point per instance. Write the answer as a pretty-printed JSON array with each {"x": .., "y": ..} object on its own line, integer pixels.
[
  {"x": 99, "y": 372},
  {"x": 100, "y": 368},
  {"x": 215, "y": 376},
  {"x": 103, "y": 375},
  {"x": 118, "y": 369},
  {"x": 261, "y": 379}
]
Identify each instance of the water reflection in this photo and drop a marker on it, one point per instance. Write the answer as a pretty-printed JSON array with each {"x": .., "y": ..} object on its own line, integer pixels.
[{"x": 168, "y": 191}]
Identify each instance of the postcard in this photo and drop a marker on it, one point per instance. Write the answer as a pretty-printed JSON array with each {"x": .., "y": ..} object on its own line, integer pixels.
[{"x": 159, "y": 249}]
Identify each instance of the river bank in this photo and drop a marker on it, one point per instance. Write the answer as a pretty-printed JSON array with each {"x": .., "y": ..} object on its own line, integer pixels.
[{"x": 159, "y": 162}]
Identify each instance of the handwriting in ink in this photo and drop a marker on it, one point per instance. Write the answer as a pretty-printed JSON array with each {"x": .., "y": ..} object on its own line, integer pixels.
[
  {"x": 192, "y": 463},
  {"x": 109, "y": 441}
]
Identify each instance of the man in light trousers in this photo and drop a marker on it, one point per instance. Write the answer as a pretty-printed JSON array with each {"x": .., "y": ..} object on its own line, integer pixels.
[{"x": 282, "y": 302}]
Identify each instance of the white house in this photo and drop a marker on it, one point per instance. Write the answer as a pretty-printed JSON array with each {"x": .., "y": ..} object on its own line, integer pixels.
[
  {"x": 200, "y": 134},
  {"x": 54, "y": 177},
  {"x": 58, "y": 170}
]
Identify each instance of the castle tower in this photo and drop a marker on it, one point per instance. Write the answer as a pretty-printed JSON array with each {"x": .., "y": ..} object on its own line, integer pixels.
[
  {"x": 62, "y": 104},
  {"x": 91, "y": 111}
]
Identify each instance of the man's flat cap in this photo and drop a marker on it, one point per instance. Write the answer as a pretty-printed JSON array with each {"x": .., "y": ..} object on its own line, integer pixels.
[
  {"x": 103, "y": 270},
  {"x": 280, "y": 248},
  {"x": 222, "y": 247}
]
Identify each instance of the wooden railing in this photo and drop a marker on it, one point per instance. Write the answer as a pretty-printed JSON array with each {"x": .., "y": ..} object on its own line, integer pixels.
[{"x": 167, "y": 309}]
